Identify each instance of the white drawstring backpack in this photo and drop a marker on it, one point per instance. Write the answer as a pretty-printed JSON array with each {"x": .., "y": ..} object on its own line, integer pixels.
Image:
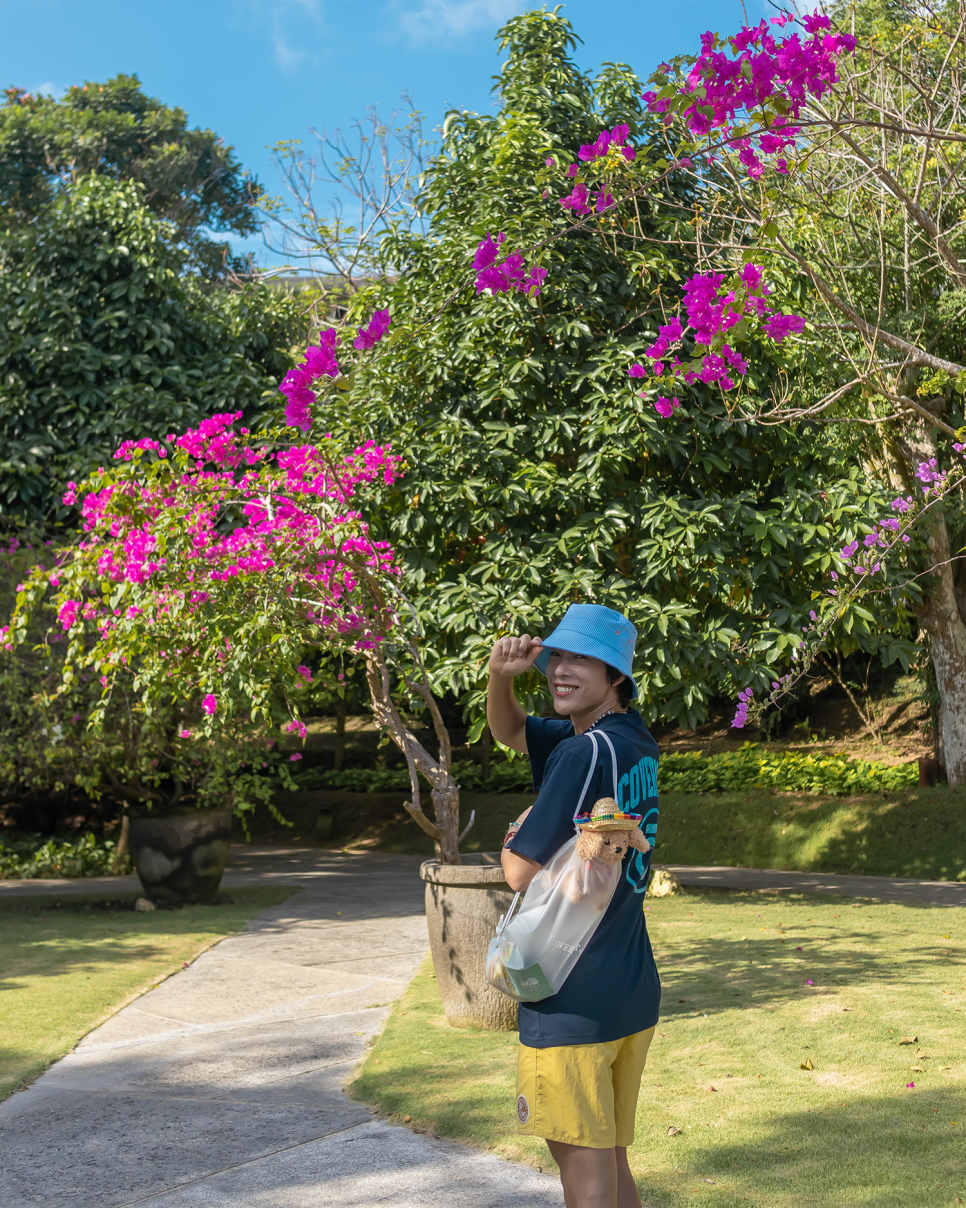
[{"x": 536, "y": 946}]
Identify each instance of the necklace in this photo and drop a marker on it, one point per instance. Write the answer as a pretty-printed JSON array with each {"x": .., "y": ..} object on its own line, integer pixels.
[{"x": 598, "y": 720}]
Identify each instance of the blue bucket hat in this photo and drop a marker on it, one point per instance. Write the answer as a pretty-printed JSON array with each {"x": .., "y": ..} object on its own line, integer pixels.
[{"x": 596, "y": 631}]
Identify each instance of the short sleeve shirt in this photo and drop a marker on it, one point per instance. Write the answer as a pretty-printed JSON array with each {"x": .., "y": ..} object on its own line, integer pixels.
[{"x": 614, "y": 989}]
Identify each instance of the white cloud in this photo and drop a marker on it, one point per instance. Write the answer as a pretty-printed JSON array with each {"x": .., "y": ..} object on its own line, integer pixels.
[
  {"x": 295, "y": 28},
  {"x": 47, "y": 89},
  {"x": 441, "y": 22}
]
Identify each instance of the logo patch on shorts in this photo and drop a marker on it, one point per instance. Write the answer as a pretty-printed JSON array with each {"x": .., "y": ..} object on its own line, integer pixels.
[{"x": 523, "y": 1109}]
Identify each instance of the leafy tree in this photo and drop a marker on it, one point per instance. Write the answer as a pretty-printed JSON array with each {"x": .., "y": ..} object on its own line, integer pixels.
[
  {"x": 103, "y": 337},
  {"x": 531, "y": 482},
  {"x": 188, "y": 176},
  {"x": 865, "y": 205}
]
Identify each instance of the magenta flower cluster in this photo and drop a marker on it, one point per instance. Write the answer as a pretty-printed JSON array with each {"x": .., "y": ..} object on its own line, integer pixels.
[
  {"x": 741, "y": 713},
  {"x": 370, "y": 335},
  {"x": 759, "y": 71},
  {"x": 510, "y": 273},
  {"x": 602, "y": 144},
  {"x": 320, "y": 361},
  {"x": 297, "y": 384},
  {"x": 713, "y": 309}
]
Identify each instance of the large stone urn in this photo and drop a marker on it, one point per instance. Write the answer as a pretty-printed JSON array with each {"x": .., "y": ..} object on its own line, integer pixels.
[
  {"x": 180, "y": 858},
  {"x": 463, "y": 906}
]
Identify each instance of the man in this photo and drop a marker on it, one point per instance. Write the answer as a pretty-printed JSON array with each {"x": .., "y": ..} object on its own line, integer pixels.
[{"x": 582, "y": 1051}]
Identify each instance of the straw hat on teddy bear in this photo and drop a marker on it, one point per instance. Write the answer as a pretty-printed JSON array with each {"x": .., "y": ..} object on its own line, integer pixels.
[{"x": 604, "y": 837}]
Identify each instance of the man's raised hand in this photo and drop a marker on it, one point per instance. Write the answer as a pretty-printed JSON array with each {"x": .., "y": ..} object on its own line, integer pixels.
[{"x": 513, "y": 656}]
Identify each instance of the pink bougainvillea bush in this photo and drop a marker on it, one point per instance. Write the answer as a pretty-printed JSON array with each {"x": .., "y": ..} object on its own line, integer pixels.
[{"x": 208, "y": 562}]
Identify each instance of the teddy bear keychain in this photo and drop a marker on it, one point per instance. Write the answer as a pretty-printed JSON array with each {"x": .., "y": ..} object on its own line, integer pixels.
[{"x": 604, "y": 837}]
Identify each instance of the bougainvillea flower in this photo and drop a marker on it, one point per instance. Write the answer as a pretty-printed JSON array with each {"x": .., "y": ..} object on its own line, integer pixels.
[{"x": 371, "y": 334}]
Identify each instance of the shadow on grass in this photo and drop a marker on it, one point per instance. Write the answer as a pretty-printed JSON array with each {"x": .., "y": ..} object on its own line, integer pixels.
[
  {"x": 890, "y": 1151},
  {"x": 717, "y": 972}
]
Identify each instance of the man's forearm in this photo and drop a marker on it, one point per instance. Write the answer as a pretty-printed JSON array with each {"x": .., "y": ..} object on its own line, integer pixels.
[{"x": 507, "y": 720}]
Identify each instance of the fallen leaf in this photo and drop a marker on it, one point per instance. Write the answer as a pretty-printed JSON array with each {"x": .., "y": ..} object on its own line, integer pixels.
[
  {"x": 712, "y": 1088},
  {"x": 910, "y": 1086},
  {"x": 707, "y": 1180},
  {"x": 809, "y": 982},
  {"x": 807, "y": 1064},
  {"x": 908, "y": 1039},
  {"x": 947, "y": 991},
  {"x": 921, "y": 1056},
  {"x": 407, "y": 1119},
  {"x": 673, "y": 1132},
  {"x": 917, "y": 1069},
  {"x": 945, "y": 1067},
  {"x": 682, "y": 1000}
]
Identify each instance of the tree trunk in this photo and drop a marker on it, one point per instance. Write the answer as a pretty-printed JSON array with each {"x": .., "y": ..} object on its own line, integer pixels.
[
  {"x": 941, "y": 617},
  {"x": 446, "y": 808}
]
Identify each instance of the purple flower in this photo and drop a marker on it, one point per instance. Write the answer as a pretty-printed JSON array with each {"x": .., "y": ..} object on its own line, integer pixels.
[
  {"x": 665, "y": 407},
  {"x": 628, "y": 153},
  {"x": 777, "y": 327},
  {"x": 809, "y": 982},
  {"x": 486, "y": 252},
  {"x": 210, "y": 705},
  {"x": 849, "y": 550},
  {"x": 577, "y": 201},
  {"x": 319, "y": 360},
  {"x": 370, "y": 335},
  {"x": 618, "y": 136},
  {"x": 597, "y": 149},
  {"x": 549, "y": 162},
  {"x": 604, "y": 199},
  {"x": 573, "y": 169},
  {"x": 637, "y": 371}
]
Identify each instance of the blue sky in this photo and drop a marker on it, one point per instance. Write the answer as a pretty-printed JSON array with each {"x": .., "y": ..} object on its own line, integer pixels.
[{"x": 258, "y": 71}]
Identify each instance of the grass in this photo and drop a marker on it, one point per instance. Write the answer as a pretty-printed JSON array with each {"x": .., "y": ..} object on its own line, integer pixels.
[
  {"x": 738, "y": 1014},
  {"x": 67, "y": 965},
  {"x": 912, "y": 833}
]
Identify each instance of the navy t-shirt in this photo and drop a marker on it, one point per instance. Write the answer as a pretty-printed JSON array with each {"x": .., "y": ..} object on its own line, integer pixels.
[{"x": 613, "y": 990}]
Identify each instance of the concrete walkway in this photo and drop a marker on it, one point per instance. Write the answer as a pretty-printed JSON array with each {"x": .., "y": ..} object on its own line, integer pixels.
[
  {"x": 885, "y": 889},
  {"x": 223, "y": 1086},
  {"x": 310, "y": 865}
]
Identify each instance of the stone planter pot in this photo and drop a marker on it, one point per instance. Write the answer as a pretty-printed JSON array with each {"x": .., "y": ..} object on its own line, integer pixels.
[
  {"x": 463, "y": 906},
  {"x": 180, "y": 858}
]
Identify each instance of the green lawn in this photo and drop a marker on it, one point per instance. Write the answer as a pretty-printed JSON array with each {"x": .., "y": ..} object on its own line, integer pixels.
[
  {"x": 740, "y": 1015},
  {"x": 913, "y": 833},
  {"x": 67, "y": 965}
]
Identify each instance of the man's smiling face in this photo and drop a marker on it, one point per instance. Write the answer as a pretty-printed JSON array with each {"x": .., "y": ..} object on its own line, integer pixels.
[{"x": 578, "y": 683}]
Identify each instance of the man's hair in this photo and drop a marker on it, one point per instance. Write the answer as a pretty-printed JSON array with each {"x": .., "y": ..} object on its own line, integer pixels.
[{"x": 624, "y": 688}]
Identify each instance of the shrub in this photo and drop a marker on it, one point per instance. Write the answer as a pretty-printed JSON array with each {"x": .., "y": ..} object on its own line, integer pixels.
[{"x": 35, "y": 856}]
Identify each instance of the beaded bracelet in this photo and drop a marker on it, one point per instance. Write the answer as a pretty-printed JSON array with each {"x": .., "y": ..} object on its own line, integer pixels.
[{"x": 511, "y": 832}]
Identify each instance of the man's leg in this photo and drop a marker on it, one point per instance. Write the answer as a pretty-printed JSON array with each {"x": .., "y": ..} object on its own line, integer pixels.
[
  {"x": 627, "y": 1196},
  {"x": 595, "y": 1178},
  {"x": 589, "y": 1176}
]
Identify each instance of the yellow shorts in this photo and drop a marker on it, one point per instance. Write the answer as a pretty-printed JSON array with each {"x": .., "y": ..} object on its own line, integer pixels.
[{"x": 582, "y": 1094}]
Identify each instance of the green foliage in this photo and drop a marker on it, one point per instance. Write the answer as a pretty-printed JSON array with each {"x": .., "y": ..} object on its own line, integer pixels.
[
  {"x": 691, "y": 772},
  {"x": 35, "y": 856},
  {"x": 188, "y": 176},
  {"x": 536, "y": 475},
  {"x": 786, "y": 771},
  {"x": 103, "y": 338},
  {"x": 503, "y": 778}
]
